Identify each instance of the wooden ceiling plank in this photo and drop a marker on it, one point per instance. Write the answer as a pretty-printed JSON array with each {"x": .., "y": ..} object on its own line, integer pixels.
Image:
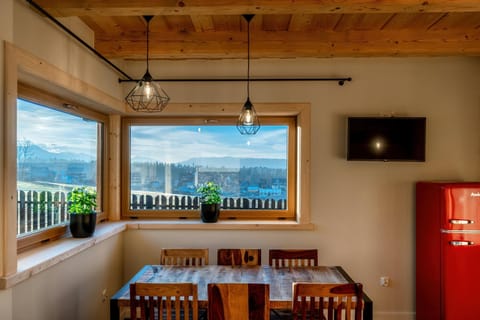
[
  {"x": 202, "y": 23},
  {"x": 279, "y": 22},
  {"x": 238, "y": 7},
  {"x": 326, "y": 21},
  {"x": 420, "y": 21},
  {"x": 179, "y": 23},
  {"x": 301, "y": 22},
  {"x": 227, "y": 23},
  {"x": 458, "y": 20},
  {"x": 373, "y": 21}
]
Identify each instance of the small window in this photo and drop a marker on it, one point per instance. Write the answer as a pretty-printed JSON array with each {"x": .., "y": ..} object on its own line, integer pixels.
[
  {"x": 56, "y": 151},
  {"x": 169, "y": 158}
]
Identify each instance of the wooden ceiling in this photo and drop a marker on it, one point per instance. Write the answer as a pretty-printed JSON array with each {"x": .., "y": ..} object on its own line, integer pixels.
[{"x": 197, "y": 29}]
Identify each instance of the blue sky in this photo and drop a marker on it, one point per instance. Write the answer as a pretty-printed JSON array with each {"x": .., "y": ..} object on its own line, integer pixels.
[
  {"x": 55, "y": 131},
  {"x": 206, "y": 141},
  {"x": 60, "y": 132}
]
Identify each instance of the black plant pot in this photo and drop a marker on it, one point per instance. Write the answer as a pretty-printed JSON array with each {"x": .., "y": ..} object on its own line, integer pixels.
[
  {"x": 210, "y": 212},
  {"x": 82, "y": 225}
]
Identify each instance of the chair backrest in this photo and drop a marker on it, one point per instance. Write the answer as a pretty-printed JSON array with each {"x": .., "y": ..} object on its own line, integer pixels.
[
  {"x": 238, "y": 301},
  {"x": 163, "y": 301},
  {"x": 331, "y": 301},
  {"x": 237, "y": 257},
  {"x": 184, "y": 257},
  {"x": 279, "y": 258}
]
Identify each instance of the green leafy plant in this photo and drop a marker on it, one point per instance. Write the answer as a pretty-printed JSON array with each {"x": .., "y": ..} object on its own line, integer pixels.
[
  {"x": 82, "y": 200},
  {"x": 209, "y": 193}
]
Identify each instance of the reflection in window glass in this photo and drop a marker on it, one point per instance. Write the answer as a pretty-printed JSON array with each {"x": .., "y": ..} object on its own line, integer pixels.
[
  {"x": 56, "y": 151},
  {"x": 169, "y": 162}
]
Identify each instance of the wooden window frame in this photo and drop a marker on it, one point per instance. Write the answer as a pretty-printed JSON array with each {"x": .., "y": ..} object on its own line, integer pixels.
[
  {"x": 296, "y": 115},
  {"x": 44, "y": 98}
]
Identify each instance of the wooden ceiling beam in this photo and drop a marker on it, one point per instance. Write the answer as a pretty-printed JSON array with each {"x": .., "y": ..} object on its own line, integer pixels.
[
  {"x": 238, "y": 7},
  {"x": 215, "y": 45}
]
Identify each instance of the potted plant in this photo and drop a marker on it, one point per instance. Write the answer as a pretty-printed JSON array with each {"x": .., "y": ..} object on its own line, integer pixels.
[
  {"x": 81, "y": 207},
  {"x": 210, "y": 201}
]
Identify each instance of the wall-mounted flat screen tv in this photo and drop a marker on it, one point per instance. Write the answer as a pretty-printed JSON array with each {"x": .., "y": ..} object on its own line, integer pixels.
[{"x": 386, "y": 138}]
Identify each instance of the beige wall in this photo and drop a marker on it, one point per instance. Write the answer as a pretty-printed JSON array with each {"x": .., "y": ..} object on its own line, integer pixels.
[
  {"x": 42, "y": 38},
  {"x": 73, "y": 289},
  {"x": 363, "y": 211}
]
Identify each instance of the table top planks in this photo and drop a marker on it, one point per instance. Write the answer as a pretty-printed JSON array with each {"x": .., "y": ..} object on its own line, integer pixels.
[{"x": 279, "y": 279}]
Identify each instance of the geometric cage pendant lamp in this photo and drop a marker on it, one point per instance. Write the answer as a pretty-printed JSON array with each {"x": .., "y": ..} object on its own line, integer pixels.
[
  {"x": 247, "y": 122},
  {"x": 147, "y": 95}
]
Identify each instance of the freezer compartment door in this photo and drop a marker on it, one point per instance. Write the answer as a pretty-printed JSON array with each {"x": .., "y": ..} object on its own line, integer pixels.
[
  {"x": 460, "y": 276},
  {"x": 461, "y": 208}
]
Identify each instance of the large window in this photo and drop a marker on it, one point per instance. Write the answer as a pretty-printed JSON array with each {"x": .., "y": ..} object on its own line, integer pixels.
[
  {"x": 167, "y": 159},
  {"x": 57, "y": 150}
]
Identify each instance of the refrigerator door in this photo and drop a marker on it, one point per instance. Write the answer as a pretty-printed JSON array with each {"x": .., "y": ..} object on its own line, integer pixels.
[
  {"x": 461, "y": 207},
  {"x": 460, "y": 276}
]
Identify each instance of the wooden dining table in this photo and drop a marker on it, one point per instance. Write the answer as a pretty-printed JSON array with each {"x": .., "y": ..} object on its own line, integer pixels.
[{"x": 279, "y": 279}]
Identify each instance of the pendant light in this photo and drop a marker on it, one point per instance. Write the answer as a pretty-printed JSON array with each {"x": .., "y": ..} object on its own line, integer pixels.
[
  {"x": 248, "y": 123},
  {"x": 147, "y": 96}
]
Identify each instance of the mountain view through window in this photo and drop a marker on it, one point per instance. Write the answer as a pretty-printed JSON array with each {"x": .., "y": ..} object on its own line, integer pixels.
[
  {"x": 175, "y": 160},
  {"x": 56, "y": 152}
]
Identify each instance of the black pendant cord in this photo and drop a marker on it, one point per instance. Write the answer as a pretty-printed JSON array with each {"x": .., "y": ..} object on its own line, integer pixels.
[
  {"x": 59, "y": 24},
  {"x": 148, "y": 18},
  {"x": 248, "y": 18}
]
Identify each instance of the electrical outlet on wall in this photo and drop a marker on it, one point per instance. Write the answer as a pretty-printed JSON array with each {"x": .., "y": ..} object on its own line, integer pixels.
[
  {"x": 385, "y": 281},
  {"x": 104, "y": 295}
]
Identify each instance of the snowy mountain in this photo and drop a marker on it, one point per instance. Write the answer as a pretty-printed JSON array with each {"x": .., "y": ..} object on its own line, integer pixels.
[{"x": 33, "y": 152}]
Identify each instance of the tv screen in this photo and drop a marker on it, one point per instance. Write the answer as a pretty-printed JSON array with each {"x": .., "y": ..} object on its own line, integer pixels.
[{"x": 386, "y": 138}]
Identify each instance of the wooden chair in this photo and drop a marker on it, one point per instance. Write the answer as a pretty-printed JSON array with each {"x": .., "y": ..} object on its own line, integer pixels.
[
  {"x": 327, "y": 301},
  {"x": 184, "y": 257},
  {"x": 237, "y": 257},
  {"x": 164, "y": 301},
  {"x": 278, "y": 258},
  {"x": 238, "y": 301}
]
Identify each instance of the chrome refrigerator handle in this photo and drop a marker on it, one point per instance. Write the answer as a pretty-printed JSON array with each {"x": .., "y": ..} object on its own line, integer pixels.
[
  {"x": 457, "y": 243},
  {"x": 460, "y": 221}
]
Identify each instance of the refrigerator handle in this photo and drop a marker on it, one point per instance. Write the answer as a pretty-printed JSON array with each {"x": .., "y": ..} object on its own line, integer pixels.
[
  {"x": 460, "y": 221},
  {"x": 458, "y": 243}
]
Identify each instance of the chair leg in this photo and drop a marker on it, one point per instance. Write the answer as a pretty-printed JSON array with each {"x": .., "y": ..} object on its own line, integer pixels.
[
  {"x": 280, "y": 314},
  {"x": 203, "y": 314},
  {"x": 276, "y": 315}
]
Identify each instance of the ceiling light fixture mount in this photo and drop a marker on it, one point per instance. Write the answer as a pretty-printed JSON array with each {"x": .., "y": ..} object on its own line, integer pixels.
[
  {"x": 147, "y": 95},
  {"x": 248, "y": 123}
]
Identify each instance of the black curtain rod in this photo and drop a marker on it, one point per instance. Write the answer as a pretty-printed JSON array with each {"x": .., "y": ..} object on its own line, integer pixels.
[
  {"x": 58, "y": 23},
  {"x": 341, "y": 81}
]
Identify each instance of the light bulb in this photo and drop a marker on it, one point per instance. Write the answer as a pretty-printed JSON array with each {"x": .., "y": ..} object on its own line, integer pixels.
[
  {"x": 248, "y": 118},
  {"x": 148, "y": 90}
]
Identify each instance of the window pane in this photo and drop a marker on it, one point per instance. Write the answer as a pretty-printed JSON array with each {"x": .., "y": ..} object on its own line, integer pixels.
[
  {"x": 167, "y": 163},
  {"x": 56, "y": 151}
]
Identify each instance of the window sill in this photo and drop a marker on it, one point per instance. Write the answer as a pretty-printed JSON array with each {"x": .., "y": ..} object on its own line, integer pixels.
[
  {"x": 220, "y": 225},
  {"x": 32, "y": 262}
]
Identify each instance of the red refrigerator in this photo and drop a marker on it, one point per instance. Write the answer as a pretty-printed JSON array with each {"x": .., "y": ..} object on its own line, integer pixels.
[{"x": 447, "y": 251}]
